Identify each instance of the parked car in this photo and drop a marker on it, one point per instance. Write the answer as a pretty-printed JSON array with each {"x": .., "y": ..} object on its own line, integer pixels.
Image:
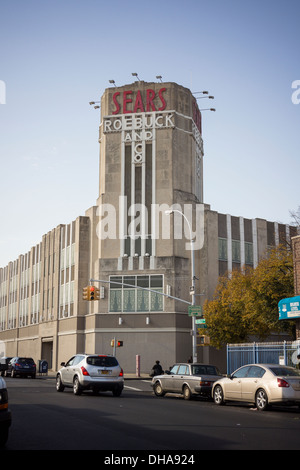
[
  {"x": 22, "y": 366},
  {"x": 4, "y": 364},
  {"x": 5, "y": 414},
  {"x": 187, "y": 379},
  {"x": 91, "y": 371},
  {"x": 261, "y": 384}
]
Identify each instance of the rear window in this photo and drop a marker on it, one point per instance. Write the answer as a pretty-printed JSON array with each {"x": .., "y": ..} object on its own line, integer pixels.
[
  {"x": 26, "y": 360},
  {"x": 102, "y": 361},
  {"x": 205, "y": 370},
  {"x": 285, "y": 371}
]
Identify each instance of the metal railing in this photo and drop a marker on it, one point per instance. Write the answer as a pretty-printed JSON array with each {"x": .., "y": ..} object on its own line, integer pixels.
[{"x": 284, "y": 352}]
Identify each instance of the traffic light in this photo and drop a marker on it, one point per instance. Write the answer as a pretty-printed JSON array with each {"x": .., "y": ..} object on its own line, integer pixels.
[
  {"x": 85, "y": 293},
  {"x": 119, "y": 344},
  {"x": 97, "y": 293},
  {"x": 90, "y": 293}
]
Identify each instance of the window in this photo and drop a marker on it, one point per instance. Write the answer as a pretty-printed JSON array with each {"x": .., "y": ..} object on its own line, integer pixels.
[
  {"x": 248, "y": 253},
  {"x": 174, "y": 369},
  {"x": 242, "y": 372},
  {"x": 131, "y": 294},
  {"x": 102, "y": 361},
  {"x": 256, "y": 372},
  {"x": 223, "y": 249},
  {"x": 236, "y": 251},
  {"x": 183, "y": 370}
]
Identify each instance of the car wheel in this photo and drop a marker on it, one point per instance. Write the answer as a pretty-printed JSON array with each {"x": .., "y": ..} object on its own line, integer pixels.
[
  {"x": 77, "y": 390},
  {"x": 158, "y": 390},
  {"x": 218, "y": 395},
  {"x": 261, "y": 400},
  {"x": 59, "y": 385},
  {"x": 187, "y": 395}
]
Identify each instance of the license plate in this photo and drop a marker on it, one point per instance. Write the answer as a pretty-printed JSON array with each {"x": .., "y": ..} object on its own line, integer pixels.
[{"x": 104, "y": 372}]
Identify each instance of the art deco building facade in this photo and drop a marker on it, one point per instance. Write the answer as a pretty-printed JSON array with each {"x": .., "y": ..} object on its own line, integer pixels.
[{"x": 151, "y": 161}]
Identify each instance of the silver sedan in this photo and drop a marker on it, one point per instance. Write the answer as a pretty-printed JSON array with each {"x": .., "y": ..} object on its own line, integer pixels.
[
  {"x": 187, "y": 379},
  {"x": 260, "y": 384}
]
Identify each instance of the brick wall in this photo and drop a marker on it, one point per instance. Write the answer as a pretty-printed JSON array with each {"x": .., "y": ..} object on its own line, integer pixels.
[{"x": 296, "y": 256}]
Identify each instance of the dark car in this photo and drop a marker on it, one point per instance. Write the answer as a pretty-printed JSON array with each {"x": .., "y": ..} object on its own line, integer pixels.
[
  {"x": 5, "y": 414},
  {"x": 4, "y": 364},
  {"x": 187, "y": 379},
  {"x": 22, "y": 366}
]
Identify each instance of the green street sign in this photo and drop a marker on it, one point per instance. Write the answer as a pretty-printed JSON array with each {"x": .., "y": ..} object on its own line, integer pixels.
[
  {"x": 195, "y": 311},
  {"x": 200, "y": 321}
]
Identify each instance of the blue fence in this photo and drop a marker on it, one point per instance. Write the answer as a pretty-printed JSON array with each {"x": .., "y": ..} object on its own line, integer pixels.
[{"x": 269, "y": 353}]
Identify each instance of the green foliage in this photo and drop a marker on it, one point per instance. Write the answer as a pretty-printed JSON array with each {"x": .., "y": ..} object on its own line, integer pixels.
[{"x": 246, "y": 303}]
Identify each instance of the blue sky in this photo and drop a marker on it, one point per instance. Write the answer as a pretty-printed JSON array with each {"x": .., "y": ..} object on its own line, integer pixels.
[{"x": 57, "y": 55}]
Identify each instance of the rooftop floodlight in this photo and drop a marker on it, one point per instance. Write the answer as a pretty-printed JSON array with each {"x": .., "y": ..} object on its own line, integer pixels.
[
  {"x": 92, "y": 102},
  {"x": 207, "y": 109},
  {"x": 113, "y": 82},
  {"x": 134, "y": 74},
  {"x": 201, "y": 97},
  {"x": 159, "y": 77}
]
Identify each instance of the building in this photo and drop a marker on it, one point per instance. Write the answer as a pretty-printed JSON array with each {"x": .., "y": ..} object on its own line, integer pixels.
[{"x": 134, "y": 243}]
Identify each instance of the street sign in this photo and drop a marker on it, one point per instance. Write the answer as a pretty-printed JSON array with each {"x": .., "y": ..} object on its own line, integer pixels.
[
  {"x": 200, "y": 321},
  {"x": 289, "y": 308},
  {"x": 195, "y": 311}
]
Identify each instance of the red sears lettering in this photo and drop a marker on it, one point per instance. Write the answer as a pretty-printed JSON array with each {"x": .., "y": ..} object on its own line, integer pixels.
[{"x": 127, "y": 100}]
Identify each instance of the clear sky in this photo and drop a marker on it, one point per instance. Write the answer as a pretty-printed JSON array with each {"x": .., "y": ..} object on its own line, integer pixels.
[{"x": 57, "y": 55}]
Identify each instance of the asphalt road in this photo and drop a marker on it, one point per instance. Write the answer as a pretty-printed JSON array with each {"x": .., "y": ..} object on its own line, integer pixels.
[{"x": 48, "y": 420}]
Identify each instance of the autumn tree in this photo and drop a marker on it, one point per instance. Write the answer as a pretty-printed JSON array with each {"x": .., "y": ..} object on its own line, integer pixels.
[{"x": 245, "y": 303}]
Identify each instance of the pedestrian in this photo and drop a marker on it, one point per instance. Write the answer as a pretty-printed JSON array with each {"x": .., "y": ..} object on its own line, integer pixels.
[{"x": 156, "y": 369}]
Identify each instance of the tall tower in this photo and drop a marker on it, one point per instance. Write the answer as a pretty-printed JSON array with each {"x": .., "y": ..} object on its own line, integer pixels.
[{"x": 151, "y": 161}]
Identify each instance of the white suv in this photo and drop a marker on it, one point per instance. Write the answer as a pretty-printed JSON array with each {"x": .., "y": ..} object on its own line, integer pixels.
[{"x": 91, "y": 372}]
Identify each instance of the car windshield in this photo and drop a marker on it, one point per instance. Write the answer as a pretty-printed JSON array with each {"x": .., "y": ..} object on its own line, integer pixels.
[
  {"x": 205, "y": 370},
  {"x": 102, "y": 361},
  {"x": 285, "y": 371}
]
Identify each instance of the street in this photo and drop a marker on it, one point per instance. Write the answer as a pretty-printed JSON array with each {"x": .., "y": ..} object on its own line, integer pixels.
[{"x": 47, "y": 420}]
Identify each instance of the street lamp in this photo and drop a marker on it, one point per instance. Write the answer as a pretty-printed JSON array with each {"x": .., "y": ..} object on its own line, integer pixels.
[
  {"x": 95, "y": 102},
  {"x": 194, "y": 340},
  {"x": 134, "y": 74},
  {"x": 207, "y": 97}
]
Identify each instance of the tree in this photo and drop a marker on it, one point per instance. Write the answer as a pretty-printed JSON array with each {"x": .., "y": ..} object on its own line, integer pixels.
[{"x": 246, "y": 302}]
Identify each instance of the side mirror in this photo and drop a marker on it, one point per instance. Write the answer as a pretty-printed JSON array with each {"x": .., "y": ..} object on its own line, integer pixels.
[
  {"x": 63, "y": 364},
  {"x": 167, "y": 372}
]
